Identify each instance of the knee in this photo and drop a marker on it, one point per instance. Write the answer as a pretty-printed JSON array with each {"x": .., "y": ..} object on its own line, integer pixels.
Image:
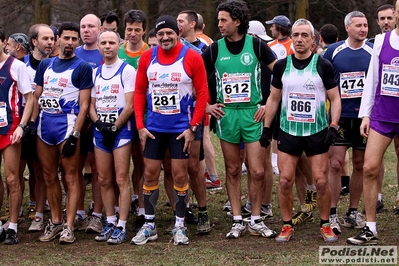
[
  {"x": 258, "y": 175},
  {"x": 193, "y": 170},
  {"x": 104, "y": 181},
  {"x": 233, "y": 171},
  {"x": 321, "y": 185},
  {"x": 285, "y": 184},
  {"x": 13, "y": 182},
  {"x": 123, "y": 181},
  {"x": 335, "y": 165},
  {"x": 370, "y": 171}
]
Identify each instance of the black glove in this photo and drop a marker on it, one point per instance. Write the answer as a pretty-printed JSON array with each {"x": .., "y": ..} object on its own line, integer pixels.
[
  {"x": 109, "y": 136},
  {"x": 331, "y": 136},
  {"x": 265, "y": 138},
  {"x": 69, "y": 148},
  {"x": 29, "y": 131},
  {"x": 100, "y": 125}
]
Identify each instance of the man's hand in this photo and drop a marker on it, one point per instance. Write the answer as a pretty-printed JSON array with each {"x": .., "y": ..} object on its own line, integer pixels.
[
  {"x": 260, "y": 114},
  {"x": 365, "y": 127},
  {"x": 188, "y": 136},
  {"x": 143, "y": 135},
  {"x": 30, "y": 130},
  {"x": 109, "y": 136},
  {"x": 17, "y": 135},
  {"x": 331, "y": 136},
  {"x": 100, "y": 125},
  {"x": 69, "y": 148},
  {"x": 266, "y": 137},
  {"x": 215, "y": 110}
]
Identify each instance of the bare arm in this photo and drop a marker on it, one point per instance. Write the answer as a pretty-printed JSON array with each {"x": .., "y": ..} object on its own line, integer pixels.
[
  {"x": 272, "y": 105},
  {"x": 84, "y": 103},
  {"x": 335, "y": 99}
]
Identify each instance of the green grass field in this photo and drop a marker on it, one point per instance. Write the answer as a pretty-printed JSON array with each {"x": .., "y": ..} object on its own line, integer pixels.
[{"x": 211, "y": 249}]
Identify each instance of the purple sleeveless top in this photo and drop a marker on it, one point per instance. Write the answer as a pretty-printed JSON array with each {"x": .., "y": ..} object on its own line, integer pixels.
[{"x": 386, "y": 108}]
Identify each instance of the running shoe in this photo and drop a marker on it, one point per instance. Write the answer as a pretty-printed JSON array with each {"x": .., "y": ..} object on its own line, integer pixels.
[
  {"x": 310, "y": 201},
  {"x": 354, "y": 219},
  {"x": 12, "y": 237},
  {"x": 2, "y": 233},
  {"x": 238, "y": 229},
  {"x": 334, "y": 223},
  {"x": 51, "y": 231},
  {"x": 302, "y": 217},
  {"x": 227, "y": 206},
  {"x": 94, "y": 225},
  {"x": 190, "y": 217},
  {"x": 31, "y": 211},
  {"x": 213, "y": 185},
  {"x": 138, "y": 223},
  {"x": 260, "y": 229},
  {"x": 266, "y": 211},
  {"x": 67, "y": 236},
  {"x": 366, "y": 237},
  {"x": 80, "y": 224},
  {"x": 36, "y": 225},
  {"x": 179, "y": 236},
  {"x": 146, "y": 233},
  {"x": 118, "y": 236},
  {"x": 106, "y": 233},
  {"x": 203, "y": 226},
  {"x": 286, "y": 233},
  {"x": 327, "y": 233}
]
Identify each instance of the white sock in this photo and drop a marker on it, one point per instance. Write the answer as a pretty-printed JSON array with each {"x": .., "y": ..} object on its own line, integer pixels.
[
  {"x": 122, "y": 224},
  {"x": 116, "y": 209},
  {"x": 39, "y": 214},
  {"x": 179, "y": 222},
  {"x": 379, "y": 196},
  {"x": 311, "y": 187},
  {"x": 274, "y": 159},
  {"x": 141, "y": 211},
  {"x": 82, "y": 213},
  {"x": 372, "y": 226},
  {"x": 13, "y": 226},
  {"x": 97, "y": 214},
  {"x": 237, "y": 217},
  {"x": 150, "y": 217},
  {"x": 112, "y": 219},
  {"x": 253, "y": 218},
  {"x": 134, "y": 197}
]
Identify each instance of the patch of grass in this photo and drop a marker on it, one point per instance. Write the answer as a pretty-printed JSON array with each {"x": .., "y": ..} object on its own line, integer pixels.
[{"x": 211, "y": 249}]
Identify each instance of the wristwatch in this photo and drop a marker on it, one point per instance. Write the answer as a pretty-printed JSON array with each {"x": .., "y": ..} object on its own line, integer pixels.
[
  {"x": 337, "y": 127},
  {"x": 22, "y": 126},
  {"x": 194, "y": 129},
  {"x": 76, "y": 134},
  {"x": 114, "y": 128}
]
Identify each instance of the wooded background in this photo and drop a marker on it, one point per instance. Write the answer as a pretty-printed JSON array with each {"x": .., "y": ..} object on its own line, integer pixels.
[{"x": 19, "y": 15}]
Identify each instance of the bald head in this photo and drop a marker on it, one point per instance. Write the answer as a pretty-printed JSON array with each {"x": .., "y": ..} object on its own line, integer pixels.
[{"x": 89, "y": 30}]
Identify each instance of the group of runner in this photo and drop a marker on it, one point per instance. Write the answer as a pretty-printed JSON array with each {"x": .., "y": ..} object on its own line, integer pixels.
[{"x": 96, "y": 105}]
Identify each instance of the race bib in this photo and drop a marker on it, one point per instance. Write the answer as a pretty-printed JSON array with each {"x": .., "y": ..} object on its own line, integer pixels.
[
  {"x": 3, "y": 114},
  {"x": 351, "y": 84},
  {"x": 49, "y": 102},
  {"x": 301, "y": 107},
  {"x": 236, "y": 89},
  {"x": 107, "y": 114},
  {"x": 166, "y": 101},
  {"x": 390, "y": 80}
]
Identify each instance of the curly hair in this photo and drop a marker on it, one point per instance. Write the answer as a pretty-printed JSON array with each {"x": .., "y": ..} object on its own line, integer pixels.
[{"x": 237, "y": 10}]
